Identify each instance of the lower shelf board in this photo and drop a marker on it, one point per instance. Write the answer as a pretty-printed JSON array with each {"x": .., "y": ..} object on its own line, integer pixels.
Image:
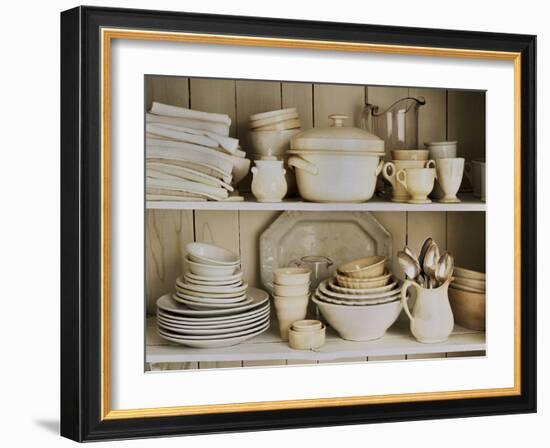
[{"x": 398, "y": 341}]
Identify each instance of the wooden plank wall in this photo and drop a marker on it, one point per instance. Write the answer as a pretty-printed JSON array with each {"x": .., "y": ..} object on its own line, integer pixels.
[{"x": 448, "y": 114}]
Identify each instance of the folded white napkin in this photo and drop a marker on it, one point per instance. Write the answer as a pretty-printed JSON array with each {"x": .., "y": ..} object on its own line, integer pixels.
[
  {"x": 173, "y": 198},
  {"x": 218, "y": 128},
  {"x": 175, "y": 186},
  {"x": 182, "y": 112},
  {"x": 168, "y": 149},
  {"x": 200, "y": 167},
  {"x": 170, "y": 171}
]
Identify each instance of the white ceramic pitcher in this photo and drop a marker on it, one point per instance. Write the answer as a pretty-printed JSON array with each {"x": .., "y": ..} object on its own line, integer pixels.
[{"x": 432, "y": 319}]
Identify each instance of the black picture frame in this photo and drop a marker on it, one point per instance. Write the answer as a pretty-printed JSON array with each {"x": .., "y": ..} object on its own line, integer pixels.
[{"x": 81, "y": 224}]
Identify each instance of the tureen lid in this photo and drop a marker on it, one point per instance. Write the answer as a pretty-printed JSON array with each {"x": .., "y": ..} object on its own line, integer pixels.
[{"x": 337, "y": 137}]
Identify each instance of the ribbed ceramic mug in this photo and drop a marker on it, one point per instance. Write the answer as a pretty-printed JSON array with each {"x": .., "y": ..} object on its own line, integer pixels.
[
  {"x": 419, "y": 183},
  {"x": 390, "y": 170},
  {"x": 449, "y": 177}
]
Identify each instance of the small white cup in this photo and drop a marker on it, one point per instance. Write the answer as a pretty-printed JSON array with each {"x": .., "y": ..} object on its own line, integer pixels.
[
  {"x": 390, "y": 169},
  {"x": 449, "y": 177},
  {"x": 419, "y": 183}
]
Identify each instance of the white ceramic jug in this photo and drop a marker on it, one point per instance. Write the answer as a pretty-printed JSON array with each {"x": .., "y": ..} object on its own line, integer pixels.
[
  {"x": 268, "y": 182},
  {"x": 432, "y": 319}
]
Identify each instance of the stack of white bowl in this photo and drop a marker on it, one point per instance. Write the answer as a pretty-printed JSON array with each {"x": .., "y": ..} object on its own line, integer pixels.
[
  {"x": 212, "y": 306},
  {"x": 290, "y": 296},
  {"x": 467, "y": 297},
  {"x": 362, "y": 301},
  {"x": 270, "y": 134}
]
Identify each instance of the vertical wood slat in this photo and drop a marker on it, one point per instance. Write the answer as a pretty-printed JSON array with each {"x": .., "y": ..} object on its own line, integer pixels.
[
  {"x": 300, "y": 96},
  {"x": 432, "y": 116},
  {"x": 218, "y": 227},
  {"x": 215, "y": 95},
  {"x": 172, "y": 90},
  {"x": 337, "y": 99},
  {"x": 466, "y": 239}
]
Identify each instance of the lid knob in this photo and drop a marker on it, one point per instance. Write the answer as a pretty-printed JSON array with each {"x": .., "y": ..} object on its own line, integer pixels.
[{"x": 338, "y": 120}]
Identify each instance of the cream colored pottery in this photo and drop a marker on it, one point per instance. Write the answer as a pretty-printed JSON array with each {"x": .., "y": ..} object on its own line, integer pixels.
[
  {"x": 306, "y": 340},
  {"x": 468, "y": 288},
  {"x": 449, "y": 177},
  {"x": 358, "y": 302},
  {"x": 272, "y": 143},
  {"x": 419, "y": 183},
  {"x": 442, "y": 150},
  {"x": 272, "y": 113},
  {"x": 291, "y": 290},
  {"x": 475, "y": 173},
  {"x": 291, "y": 276},
  {"x": 399, "y": 192},
  {"x": 472, "y": 283},
  {"x": 289, "y": 310},
  {"x": 337, "y": 137},
  {"x": 227, "y": 280},
  {"x": 367, "y": 267},
  {"x": 211, "y": 254},
  {"x": 363, "y": 283},
  {"x": 293, "y": 123},
  {"x": 358, "y": 291},
  {"x": 410, "y": 154},
  {"x": 268, "y": 181},
  {"x": 207, "y": 270},
  {"x": 307, "y": 325},
  {"x": 253, "y": 124},
  {"x": 468, "y": 308},
  {"x": 346, "y": 177},
  {"x": 326, "y": 291},
  {"x": 360, "y": 323},
  {"x": 431, "y": 320},
  {"x": 468, "y": 273}
]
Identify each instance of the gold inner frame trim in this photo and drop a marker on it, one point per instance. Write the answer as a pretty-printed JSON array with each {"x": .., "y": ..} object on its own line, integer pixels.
[{"x": 107, "y": 35}]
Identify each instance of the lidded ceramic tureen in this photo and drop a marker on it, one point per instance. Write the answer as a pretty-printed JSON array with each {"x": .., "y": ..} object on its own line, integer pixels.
[{"x": 337, "y": 137}]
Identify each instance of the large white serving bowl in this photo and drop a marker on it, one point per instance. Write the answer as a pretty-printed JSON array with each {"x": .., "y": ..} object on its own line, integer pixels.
[
  {"x": 360, "y": 323},
  {"x": 208, "y": 270},
  {"x": 211, "y": 254}
]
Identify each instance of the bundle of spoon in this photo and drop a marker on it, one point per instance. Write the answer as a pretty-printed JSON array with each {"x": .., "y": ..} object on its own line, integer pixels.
[{"x": 430, "y": 269}]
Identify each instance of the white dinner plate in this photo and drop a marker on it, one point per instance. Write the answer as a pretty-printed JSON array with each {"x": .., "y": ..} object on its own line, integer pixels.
[
  {"x": 167, "y": 303},
  {"x": 220, "y": 332},
  {"x": 214, "y": 289},
  {"x": 213, "y": 343},
  {"x": 220, "y": 305},
  {"x": 215, "y": 325},
  {"x": 239, "y": 299},
  {"x": 221, "y": 320},
  {"x": 228, "y": 278},
  {"x": 336, "y": 295}
]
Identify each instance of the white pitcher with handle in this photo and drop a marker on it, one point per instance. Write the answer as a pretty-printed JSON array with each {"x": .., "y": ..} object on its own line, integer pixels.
[{"x": 432, "y": 319}]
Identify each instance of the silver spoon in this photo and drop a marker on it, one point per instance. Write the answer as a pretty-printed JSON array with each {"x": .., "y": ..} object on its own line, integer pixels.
[
  {"x": 425, "y": 246},
  {"x": 413, "y": 256},
  {"x": 445, "y": 268},
  {"x": 408, "y": 265},
  {"x": 430, "y": 263}
]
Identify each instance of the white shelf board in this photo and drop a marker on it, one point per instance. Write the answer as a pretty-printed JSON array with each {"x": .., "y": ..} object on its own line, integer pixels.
[
  {"x": 468, "y": 204},
  {"x": 269, "y": 346}
]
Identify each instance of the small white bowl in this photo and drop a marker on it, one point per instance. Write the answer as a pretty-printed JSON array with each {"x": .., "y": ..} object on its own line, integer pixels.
[
  {"x": 363, "y": 283},
  {"x": 307, "y": 325},
  {"x": 367, "y": 267},
  {"x": 291, "y": 290},
  {"x": 291, "y": 276},
  {"x": 208, "y": 270},
  {"x": 306, "y": 340},
  {"x": 211, "y": 254}
]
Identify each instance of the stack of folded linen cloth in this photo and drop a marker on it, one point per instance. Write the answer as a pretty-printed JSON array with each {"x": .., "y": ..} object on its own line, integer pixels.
[{"x": 190, "y": 156}]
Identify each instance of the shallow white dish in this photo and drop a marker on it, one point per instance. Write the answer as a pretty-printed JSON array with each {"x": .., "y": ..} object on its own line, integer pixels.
[
  {"x": 214, "y": 343},
  {"x": 332, "y": 285},
  {"x": 216, "y": 325},
  {"x": 211, "y": 254},
  {"x": 376, "y": 295},
  {"x": 191, "y": 281},
  {"x": 212, "y": 332},
  {"x": 341, "y": 236},
  {"x": 212, "y": 289},
  {"x": 360, "y": 323},
  {"x": 167, "y": 303},
  {"x": 199, "y": 299},
  {"x": 228, "y": 279},
  {"x": 211, "y": 271},
  {"x": 193, "y": 295},
  {"x": 201, "y": 321},
  {"x": 199, "y": 304}
]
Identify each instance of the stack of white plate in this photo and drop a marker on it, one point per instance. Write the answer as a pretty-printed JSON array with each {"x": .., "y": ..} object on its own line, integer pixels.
[
  {"x": 212, "y": 297},
  {"x": 210, "y": 328}
]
